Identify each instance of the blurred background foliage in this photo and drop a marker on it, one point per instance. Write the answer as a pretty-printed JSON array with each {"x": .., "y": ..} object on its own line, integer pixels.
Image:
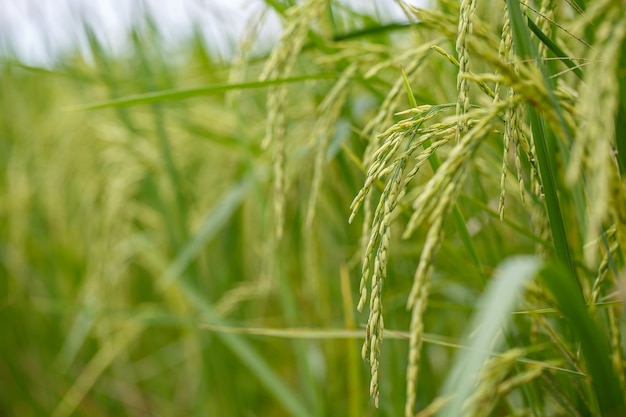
[
  {"x": 97, "y": 206},
  {"x": 141, "y": 271}
]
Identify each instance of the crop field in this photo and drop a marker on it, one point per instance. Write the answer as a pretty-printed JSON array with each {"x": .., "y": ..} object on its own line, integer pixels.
[{"x": 368, "y": 218}]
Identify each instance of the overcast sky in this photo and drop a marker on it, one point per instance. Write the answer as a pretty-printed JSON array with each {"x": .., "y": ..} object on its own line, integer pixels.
[{"x": 37, "y": 29}]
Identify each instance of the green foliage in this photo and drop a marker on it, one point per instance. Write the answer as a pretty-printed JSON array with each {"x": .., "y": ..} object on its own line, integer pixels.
[{"x": 174, "y": 233}]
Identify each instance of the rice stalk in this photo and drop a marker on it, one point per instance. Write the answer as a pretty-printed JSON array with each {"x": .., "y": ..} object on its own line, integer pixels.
[
  {"x": 492, "y": 374},
  {"x": 599, "y": 101},
  {"x": 603, "y": 272},
  {"x": 378, "y": 243},
  {"x": 421, "y": 286},
  {"x": 237, "y": 71},
  {"x": 281, "y": 63},
  {"x": 466, "y": 13},
  {"x": 329, "y": 112},
  {"x": 453, "y": 168}
]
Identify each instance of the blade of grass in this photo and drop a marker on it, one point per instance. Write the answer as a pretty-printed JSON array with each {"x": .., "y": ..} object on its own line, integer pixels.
[
  {"x": 543, "y": 141},
  {"x": 185, "y": 93},
  {"x": 605, "y": 304},
  {"x": 163, "y": 319},
  {"x": 334, "y": 334},
  {"x": 373, "y": 31}
]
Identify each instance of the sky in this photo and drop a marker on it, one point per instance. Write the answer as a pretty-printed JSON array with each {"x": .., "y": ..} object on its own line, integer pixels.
[{"x": 37, "y": 30}]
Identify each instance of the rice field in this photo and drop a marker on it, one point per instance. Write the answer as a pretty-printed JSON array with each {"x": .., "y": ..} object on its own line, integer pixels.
[{"x": 368, "y": 219}]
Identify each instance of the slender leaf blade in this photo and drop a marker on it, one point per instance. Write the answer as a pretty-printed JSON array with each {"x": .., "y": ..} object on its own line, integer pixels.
[
  {"x": 543, "y": 140},
  {"x": 186, "y": 93},
  {"x": 594, "y": 347}
]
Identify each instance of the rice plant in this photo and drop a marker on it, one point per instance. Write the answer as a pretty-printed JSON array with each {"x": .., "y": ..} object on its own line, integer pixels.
[{"x": 370, "y": 218}]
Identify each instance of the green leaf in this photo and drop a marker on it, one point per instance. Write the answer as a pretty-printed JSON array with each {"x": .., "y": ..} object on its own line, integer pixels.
[
  {"x": 556, "y": 49},
  {"x": 593, "y": 343},
  {"x": 185, "y": 93},
  {"x": 620, "y": 118},
  {"x": 544, "y": 140}
]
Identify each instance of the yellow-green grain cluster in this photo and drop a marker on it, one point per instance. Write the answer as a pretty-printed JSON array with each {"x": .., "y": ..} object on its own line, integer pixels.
[
  {"x": 492, "y": 375},
  {"x": 390, "y": 160},
  {"x": 328, "y": 114},
  {"x": 512, "y": 121},
  {"x": 503, "y": 94},
  {"x": 467, "y": 10},
  {"x": 592, "y": 150},
  {"x": 280, "y": 64}
]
